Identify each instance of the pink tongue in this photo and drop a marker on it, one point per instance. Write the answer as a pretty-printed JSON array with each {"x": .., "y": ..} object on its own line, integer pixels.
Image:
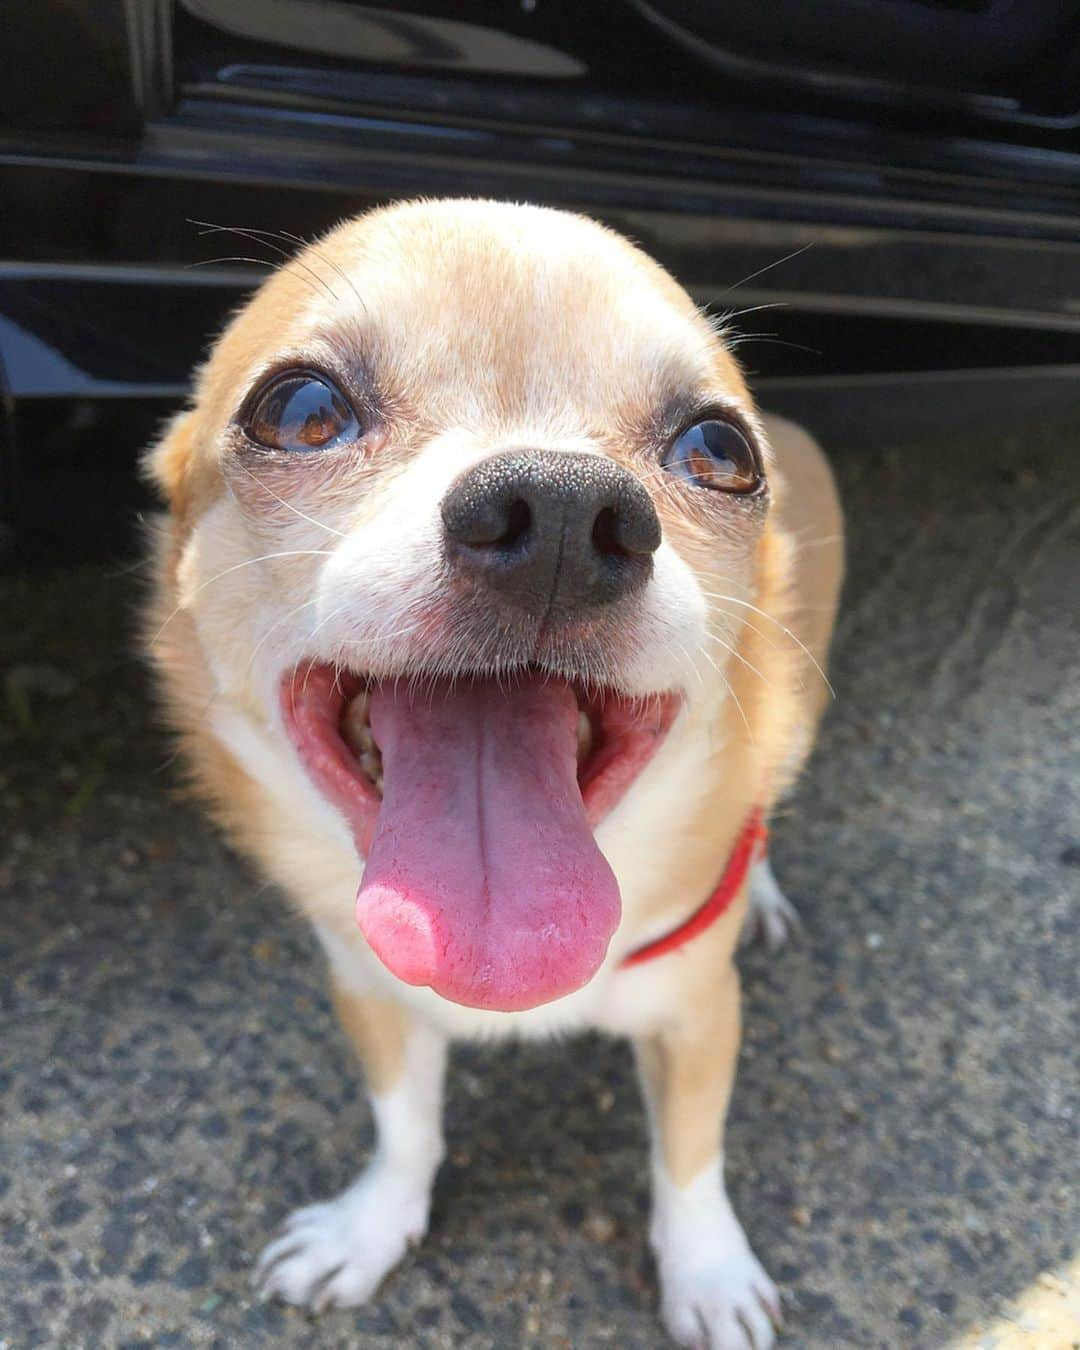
[{"x": 483, "y": 879}]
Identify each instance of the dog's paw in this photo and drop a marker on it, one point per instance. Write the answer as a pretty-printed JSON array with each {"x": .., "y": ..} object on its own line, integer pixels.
[
  {"x": 721, "y": 1302},
  {"x": 714, "y": 1295},
  {"x": 335, "y": 1255},
  {"x": 770, "y": 912}
]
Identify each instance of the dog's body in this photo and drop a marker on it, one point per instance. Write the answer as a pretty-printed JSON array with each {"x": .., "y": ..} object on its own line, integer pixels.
[{"x": 330, "y": 546}]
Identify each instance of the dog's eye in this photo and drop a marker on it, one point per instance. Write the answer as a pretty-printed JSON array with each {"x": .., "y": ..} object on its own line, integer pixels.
[
  {"x": 715, "y": 454},
  {"x": 301, "y": 412}
]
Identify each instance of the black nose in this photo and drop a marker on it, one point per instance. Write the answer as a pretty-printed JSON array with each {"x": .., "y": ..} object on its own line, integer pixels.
[{"x": 553, "y": 531}]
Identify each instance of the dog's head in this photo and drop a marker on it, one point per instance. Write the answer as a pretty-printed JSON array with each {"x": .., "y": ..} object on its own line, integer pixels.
[{"x": 465, "y": 511}]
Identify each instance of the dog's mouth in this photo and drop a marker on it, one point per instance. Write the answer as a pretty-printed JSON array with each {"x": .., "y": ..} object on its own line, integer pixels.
[{"x": 474, "y": 804}]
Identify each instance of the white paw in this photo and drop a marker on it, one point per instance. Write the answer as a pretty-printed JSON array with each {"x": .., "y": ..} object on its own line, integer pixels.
[
  {"x": 336, "y": 1254},
  {"x": 714, "y": 1294},
  {"x": 771, "y": 913},
  {"x": 721, "y": 1302}
]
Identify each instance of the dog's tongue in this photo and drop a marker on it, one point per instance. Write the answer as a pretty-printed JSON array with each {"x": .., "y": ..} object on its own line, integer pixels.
[{"x": 483, "y": 879}]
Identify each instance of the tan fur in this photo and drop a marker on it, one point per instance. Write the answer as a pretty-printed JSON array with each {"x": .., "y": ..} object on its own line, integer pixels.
[
  {"x": 806, "y": 509},
  {"x": 688, "y": 1070},
  {"x": 378, "y": 1030},
  {"x": 488, "y": 327}
]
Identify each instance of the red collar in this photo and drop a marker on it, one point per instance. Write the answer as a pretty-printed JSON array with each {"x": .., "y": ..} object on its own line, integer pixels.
[{"x": 749, "y": 846}]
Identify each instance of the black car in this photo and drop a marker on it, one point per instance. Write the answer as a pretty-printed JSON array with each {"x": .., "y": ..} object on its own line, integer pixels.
[{"x": 884, "y": 193}]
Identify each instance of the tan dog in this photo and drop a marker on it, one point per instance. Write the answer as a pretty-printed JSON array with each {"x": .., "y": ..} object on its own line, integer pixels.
[{"x": 481, "y": 566}]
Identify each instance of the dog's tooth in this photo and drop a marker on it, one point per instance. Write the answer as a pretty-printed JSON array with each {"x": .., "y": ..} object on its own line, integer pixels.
[
  {"x": 354, "y": 726},
  {"x": 584, "y": 737},
  {"x": 371, "y": 763},
  {"x": 357, "y": 733}
]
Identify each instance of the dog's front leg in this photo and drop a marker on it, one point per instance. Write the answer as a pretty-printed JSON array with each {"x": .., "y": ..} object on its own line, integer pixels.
[
  {"x": 336, "y": 1253},
  {"x": 714, "y": 1293}
]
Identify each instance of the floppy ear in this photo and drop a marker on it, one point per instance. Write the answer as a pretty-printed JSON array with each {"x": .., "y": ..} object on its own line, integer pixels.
[{"x": 169, "y": 464}]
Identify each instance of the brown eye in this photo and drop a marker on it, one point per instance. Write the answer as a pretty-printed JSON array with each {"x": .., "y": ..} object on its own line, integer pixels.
[
  {"x": 301, "y": 412},
  {"x": 714, "y": 454}
]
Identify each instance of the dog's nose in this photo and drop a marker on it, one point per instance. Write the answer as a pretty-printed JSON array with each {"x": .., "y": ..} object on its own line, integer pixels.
[{"x": 555, "y": 532}]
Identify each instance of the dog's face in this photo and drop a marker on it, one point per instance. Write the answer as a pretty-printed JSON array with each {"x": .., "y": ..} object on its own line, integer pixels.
[{"x": 468, "y": 508}]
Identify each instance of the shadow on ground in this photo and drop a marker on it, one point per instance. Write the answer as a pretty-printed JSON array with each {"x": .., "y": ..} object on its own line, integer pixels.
[{"x": 903, "y": 1136}]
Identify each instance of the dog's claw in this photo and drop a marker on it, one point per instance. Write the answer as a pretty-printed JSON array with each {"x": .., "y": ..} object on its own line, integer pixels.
[
  {"x": 263, "y": 1276},
  {"x": 319, "y": 1295},
  {"x": 747, "y": 1330},
  {"x": 281, "y": 1230},
  {"x": 773, "y": 1310}
]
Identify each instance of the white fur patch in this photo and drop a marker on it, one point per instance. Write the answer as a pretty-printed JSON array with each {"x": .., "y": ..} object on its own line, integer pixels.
[
  {"x": 271, "y": 761},
  {"x": 336, "y": 1254},
  {"x": 713, "y": 1292}
]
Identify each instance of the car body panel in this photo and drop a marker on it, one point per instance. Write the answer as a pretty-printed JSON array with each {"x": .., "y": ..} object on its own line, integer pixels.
[{"x": 874, "y": 224}]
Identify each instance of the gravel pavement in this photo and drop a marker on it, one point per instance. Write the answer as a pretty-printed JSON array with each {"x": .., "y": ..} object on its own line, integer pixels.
[{"x": 904, "y": 1133}]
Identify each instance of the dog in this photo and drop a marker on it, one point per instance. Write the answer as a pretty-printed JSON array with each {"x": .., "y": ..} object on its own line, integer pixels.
[{"x": 492, "y": 617}]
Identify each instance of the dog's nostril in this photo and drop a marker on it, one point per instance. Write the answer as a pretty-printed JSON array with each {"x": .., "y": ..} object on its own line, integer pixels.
[
  {"x": 485, "y": 520},
  {"x": 606, "y": 534},
  {"x": 518, "y": 521},
  {"x": 501, "y": 527}
]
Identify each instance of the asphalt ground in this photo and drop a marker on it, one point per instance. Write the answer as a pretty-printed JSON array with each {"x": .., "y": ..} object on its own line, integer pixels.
[{"x": 903, "y": 1140}]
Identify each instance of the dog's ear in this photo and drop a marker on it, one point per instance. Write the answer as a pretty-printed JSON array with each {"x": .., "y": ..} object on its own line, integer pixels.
[{"x": 170, "y": 464}]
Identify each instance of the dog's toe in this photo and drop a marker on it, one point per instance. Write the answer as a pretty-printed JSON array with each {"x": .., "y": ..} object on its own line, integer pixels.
[{"x": 770, "y": 912}]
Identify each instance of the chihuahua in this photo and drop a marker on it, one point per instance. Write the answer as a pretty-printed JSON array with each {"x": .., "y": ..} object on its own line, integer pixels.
[{"x": 492, "y": 615}]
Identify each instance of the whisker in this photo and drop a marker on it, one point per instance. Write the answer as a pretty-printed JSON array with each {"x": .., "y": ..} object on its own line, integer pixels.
[
  {"x": 326, "y": 258},
  {"x": 314, "y": 632},
  {"x": 715, "y": 637},
  {"x": 726, "y": 316},
  {"x": 259, "y": 262},
  {"x": 770, "y": 339},
  {"x": 209, "y": 262},
  {"x": 249, "y": 562},
  {"x": 288, "y": 505},
  {"x": 408, "y": 631},
  {"x": 733, "y": 695},
  {"x": 284, "y": 618},
  {"x": 731, "y": 599},
  {"x": 316, "y": 629},
  {"x": 693, "y": 664},
  {"x": 259, "y": 237},
  {"x": 268, "y": 235},
  {"x": 768, "y": 267}
]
